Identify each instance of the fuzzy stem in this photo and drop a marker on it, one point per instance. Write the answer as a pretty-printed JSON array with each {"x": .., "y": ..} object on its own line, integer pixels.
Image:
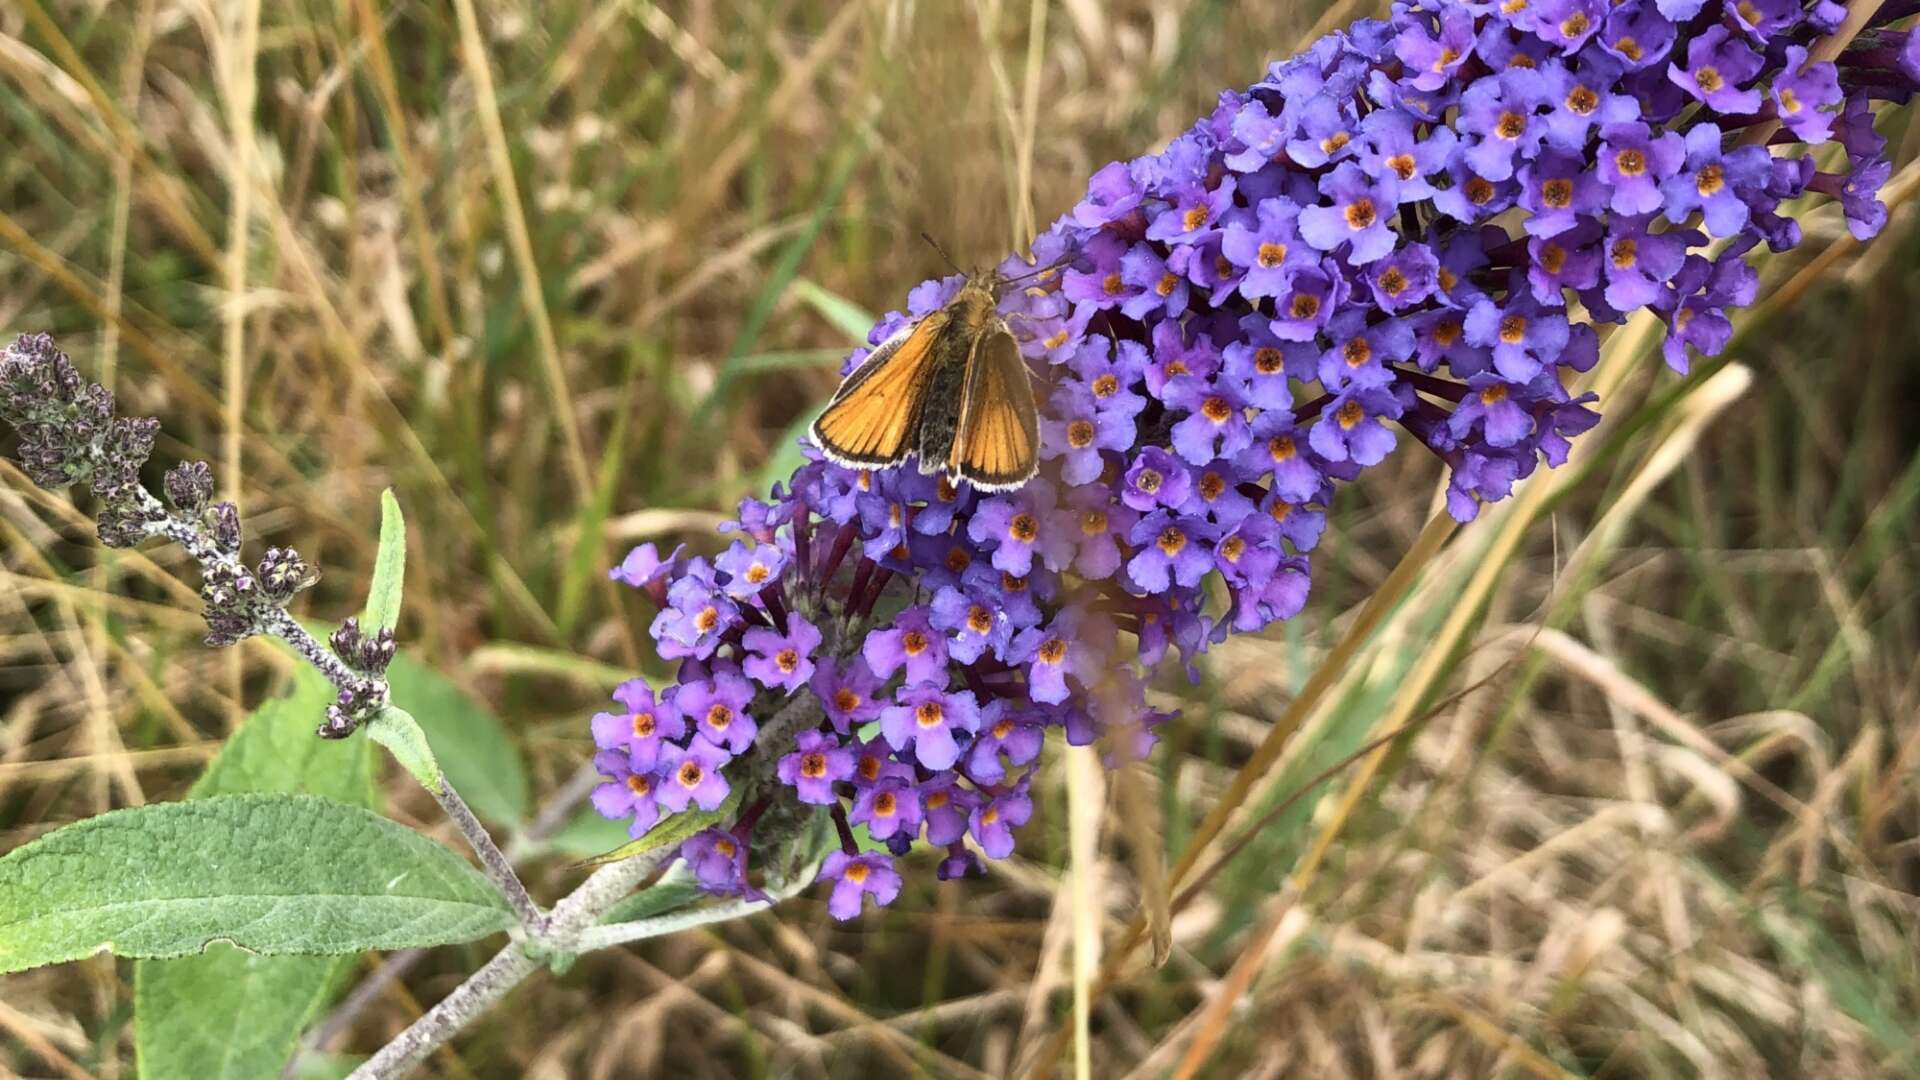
[
  {"x": 492, "y": 860},
  {"x": 508, "y": 968}
]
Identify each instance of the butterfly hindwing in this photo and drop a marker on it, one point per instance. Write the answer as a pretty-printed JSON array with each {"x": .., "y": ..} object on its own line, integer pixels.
[
  {"x": 998, "y": 435},
  {"x": 873, "y": 419}
]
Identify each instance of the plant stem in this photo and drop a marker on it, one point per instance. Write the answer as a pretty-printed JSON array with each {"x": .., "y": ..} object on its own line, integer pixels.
[
  {"x": 492, "y": 860},
  {"x": 501, "y": 974}
]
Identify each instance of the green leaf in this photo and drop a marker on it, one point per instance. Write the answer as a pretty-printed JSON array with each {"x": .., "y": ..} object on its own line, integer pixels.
[
  {"x": 675, "y": 890},
  {"x": 276, "y": 750},
  {"x": 228, "y": 1013},
  {"x": 389, "y": 568},
  {"x": 846, "y": 316},
  {"x": 588, "y": 834},
  {"x": 397, "y": 730},
  {"x": 473, "y": 747},
  {"x": 270, "y": 873}
]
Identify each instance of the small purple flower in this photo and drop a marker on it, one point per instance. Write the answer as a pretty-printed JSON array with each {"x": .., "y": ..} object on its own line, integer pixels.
[
  {"x": 911, "y": 642},
  {"x": 1559, "y": 191},
  {"x": 1712, "y": 181},
  {"x": 1432, "y": 59},
  {"x": 1216, "y": 420},
  {"x": 1638, "y": 263},
  {"x": 1076, "y": 430},
  {"x": 1280, "y": 450},
  {"x": 1568, "y": 23},
  {"x": 846, "y": 693},
  {"x": 643, "y": 565},
  {"x": 1805, "y": 94},
  {"x": 975, "y": 626},
  {"x": 642, "y": 727},
  {"x": 818, "y": 761},
  {"x": 1100, "y": 522},
  {"x": 695, "y": 618},
  {"x": 1361, "y": 354},
  {"x": 1170, "y": 549},
  {"x": 1637, "y": 34},
  {"x": 1502, "y": 114},
  {"x": 857, "y": 876},
  {"x": 718, "y": 709},
  {"x": 945, "y": 806},
  {"x": 781, "y": 661},
  {"x": 1261, "y": 364},
  {"x": 1633, "y": 163},
  {"x": 1269, "y": 249},
  {"x": 750, "y": 568},
  {"x": 692, "y": 775},
  {"x": 718, "y": 860},
  {"x": 1154, "y": 479},
  {"x": 1582, "y": 101},
  {"x": 1004, "y": 737},
  {"x": 1313, "y": 295},
  {"x": 1719, "y": 66},
  {"x": 1402, "y": 280},
  {"x": 1350, "y": 429},
  {"x": 992, "y": 823},
  {"x": 1155, "y": 287},
  {"x": 1019, "y": 526},
  {"x": 1192, "y": 213},
  {"x": 1524, "y": 336},
  {"x": 1497, "y": 408},
  {"x": 1358, "y": 217},
  {"x": 925, "y": 718},
  {"x": 629, "y": 793},
  {"x": 887, "y": 807}
]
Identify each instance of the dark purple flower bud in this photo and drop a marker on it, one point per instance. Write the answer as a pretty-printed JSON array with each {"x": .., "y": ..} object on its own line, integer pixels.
[
  {"x": 226, "y": 528},
  {"x": 189, "y": 485},
  {"x": 282, "y": 573}
]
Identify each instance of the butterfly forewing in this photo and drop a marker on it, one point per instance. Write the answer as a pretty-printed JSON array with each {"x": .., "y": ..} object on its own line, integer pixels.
[
  {"x": 873, "y": 419},
  {"x": 998, "y": 436}
]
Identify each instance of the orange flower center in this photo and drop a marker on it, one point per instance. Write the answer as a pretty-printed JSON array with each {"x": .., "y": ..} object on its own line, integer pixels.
[
  {"x": 1080, "y": 434},
  {"x": 846, "y": 700},
  {"x": 1304, "y": 306},
  {"x": 1106, "y": 386},
  {"x": 1711, "y": 179},
  {"x": 643, "y": 725},
  {"x": 1552, "y": 258},
  {"x": 1148, "y": 481},
  {"x": 1446, "y": 333},
  {"x": 690, "y": 774},
  {"x": 786, "y": 660},
  {"x": 1194, "y": 218},
  {"x": 1268, "y": 360},
  {"x": 1350, "y": 415},
  {"x": 1357, "y": 352},
  {"x": 1216, "y": 409},
  {"x": 1709, "y": 78},
  {"x": 1626, "y": 252},
  {"x": 1232, "y": 548},
  {"x": 1513, "y": 329},
  {"x": 1479, "y": 191},
  {"x": 1052, "y": 651},
  {"x": 1023, "y": 528},
  {"x": 1166, "y": 285},
  {"x": 719, "y": 717},
  {"x": 930, "y": 715},
  {"x": 1271, "y": 255},
  {"x": 913, "y": 643},
  {"x": 639, "y": 785},
  {"x": 1630, "y": 162},
  {"x": 979, "y": 619},
  {"x": 1360, "y": 214},
  {"x": 708, "y": 618},
  {"x": 1493, "y": 395},
  {"x": 1393, "y": 282},
  {"x": 813, "y": 765},
  {"x": 1282, "y": 448},
  {"x": 1557, "y": 193},
  {"x": 1171, "y": 540},
  {"x": 1511, "y": 125},
  {"x": 1093, "y": 522}
]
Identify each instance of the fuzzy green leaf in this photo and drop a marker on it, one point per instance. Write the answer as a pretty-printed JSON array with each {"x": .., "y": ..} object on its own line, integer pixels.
[
  {"x": 389, "y": 568},
  {"x": 397, "y": 730},
  {"x": 228, "y": 1014},
  {"x": 270, "y": 873},
  {"x": 469, "y": 741}
]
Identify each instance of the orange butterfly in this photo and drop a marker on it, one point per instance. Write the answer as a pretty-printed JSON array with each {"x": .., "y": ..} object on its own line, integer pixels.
[{"x": 951, "y": 388}]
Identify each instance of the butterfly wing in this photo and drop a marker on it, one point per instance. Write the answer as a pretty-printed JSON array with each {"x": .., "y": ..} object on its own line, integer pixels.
[
  {"x": 872, "y": 419},
  {"x": 998, "y": 436}
]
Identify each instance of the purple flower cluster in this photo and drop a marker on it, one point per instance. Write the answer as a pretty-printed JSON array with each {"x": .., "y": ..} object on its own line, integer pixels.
[{"x": 1413, "y": 227}]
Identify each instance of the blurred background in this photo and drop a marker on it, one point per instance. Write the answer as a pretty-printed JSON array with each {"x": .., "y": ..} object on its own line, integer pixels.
[{"x": 573, "y": 275}]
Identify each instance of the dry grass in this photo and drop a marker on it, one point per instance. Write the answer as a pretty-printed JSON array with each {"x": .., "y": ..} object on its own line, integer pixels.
[{"x": 1657, "y": 812}]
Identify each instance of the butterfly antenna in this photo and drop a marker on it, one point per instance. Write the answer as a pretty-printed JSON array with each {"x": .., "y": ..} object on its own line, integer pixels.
[{"x": 935, "y": 245}]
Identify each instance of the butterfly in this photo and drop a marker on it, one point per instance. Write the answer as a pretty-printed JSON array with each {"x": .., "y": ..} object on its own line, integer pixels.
[{"x": 950, "y": 388}]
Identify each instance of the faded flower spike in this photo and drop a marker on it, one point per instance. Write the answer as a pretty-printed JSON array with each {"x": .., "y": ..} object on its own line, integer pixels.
[{"x": 1410, "y": 230}]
